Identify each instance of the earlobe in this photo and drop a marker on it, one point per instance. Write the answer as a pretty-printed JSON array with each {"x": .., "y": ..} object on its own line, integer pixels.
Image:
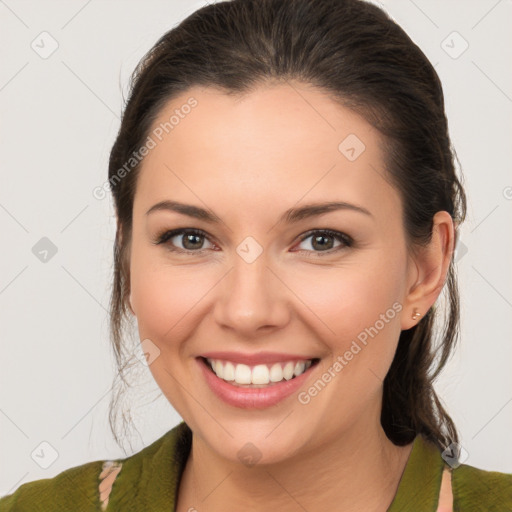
[{"x": 432, "y": 263}]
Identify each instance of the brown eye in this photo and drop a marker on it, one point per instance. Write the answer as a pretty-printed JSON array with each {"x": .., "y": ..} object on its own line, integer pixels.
[
  {"x": 324, "y": 240},
  {"x": 192, "y": 240}
]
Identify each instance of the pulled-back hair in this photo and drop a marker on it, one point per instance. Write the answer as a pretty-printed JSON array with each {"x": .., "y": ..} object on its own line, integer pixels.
[{"x": 354, "y": 52}]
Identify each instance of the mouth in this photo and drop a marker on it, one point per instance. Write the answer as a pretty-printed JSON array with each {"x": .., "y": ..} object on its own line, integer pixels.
[{"x": 258, "y": 376}]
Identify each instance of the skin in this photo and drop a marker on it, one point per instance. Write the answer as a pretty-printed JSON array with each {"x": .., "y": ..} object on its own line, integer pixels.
[{"x": 248, "y": 159}]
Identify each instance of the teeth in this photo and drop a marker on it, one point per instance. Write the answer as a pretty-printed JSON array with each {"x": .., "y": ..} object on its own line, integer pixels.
[
  {"x": 260, "y": 374},
  {"x": 276, "y": 373},
  {"x": 242, "y": 373},
  {"x": 228, "y": 372}
]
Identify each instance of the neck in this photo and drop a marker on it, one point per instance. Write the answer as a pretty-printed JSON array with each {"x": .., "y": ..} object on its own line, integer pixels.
[{"x": 358, "y": 470}]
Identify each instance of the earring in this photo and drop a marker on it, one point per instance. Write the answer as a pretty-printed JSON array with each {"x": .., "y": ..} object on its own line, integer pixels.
[{"x": 415, "y": 314}]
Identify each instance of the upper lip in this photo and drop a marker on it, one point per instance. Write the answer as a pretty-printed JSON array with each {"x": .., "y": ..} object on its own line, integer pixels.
[{"x": 257, "y": 358}]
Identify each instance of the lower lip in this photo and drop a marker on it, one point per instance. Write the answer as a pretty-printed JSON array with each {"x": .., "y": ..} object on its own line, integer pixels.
[{"x": 252, "y": 398}]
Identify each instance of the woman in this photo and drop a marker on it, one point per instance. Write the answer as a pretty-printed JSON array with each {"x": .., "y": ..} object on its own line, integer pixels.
[{"x": 287, "y": 209}]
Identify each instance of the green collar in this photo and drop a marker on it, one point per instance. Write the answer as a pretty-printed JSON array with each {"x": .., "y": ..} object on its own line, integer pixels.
[
  {"x": 150, "y": 479},
  {"x": 421, "y": 480}
]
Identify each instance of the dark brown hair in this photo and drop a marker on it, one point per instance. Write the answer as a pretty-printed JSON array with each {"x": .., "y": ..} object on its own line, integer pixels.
[{"x": 354, "y": 52}]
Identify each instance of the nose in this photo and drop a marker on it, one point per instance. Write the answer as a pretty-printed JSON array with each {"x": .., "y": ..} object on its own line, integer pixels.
[{"x": 252, "y": 299}]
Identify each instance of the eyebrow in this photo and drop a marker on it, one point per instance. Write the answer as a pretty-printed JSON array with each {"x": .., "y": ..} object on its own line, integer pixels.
[{"x": 290, "y": 216}]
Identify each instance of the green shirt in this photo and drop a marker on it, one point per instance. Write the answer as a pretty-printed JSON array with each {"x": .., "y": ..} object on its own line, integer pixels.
[{"x": 149, "y": 480}]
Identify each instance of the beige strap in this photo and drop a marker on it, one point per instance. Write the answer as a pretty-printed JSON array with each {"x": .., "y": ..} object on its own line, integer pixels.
[
  {"x": 446, "y": 495},
  {"x": 109, "y": 472}
]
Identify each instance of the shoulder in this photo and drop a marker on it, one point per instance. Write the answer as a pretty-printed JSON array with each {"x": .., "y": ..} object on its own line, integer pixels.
[
  {"x": 79, "y": 488},
  {"x": 474, "y": 488},
  {"x": 73, "y": 489}
]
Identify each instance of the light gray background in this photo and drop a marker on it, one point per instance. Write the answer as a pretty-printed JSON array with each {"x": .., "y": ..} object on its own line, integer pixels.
[{"x": 59, "y": 118}]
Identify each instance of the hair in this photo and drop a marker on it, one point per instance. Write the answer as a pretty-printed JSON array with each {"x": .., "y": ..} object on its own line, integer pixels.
[{"x": 355, "y": 53}]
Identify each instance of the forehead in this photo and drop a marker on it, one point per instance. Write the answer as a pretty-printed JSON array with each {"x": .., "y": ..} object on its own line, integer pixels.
[{"x": 280, "y": 142}]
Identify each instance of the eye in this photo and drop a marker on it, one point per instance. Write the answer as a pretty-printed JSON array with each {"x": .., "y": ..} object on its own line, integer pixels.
[
  {"x": 322, "y": 240},
  {"x": 190, "y": 238}
]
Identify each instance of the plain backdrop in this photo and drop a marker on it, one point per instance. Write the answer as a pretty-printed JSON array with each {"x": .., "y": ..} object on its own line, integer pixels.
[{"x": 63, "y": 76}]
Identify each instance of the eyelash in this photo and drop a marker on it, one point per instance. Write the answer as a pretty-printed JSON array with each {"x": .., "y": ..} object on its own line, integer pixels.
[{"x": 346, "y": 240}]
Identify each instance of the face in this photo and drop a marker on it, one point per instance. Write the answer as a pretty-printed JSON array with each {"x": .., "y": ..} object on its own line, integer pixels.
[{"x": 328, "y": 286}]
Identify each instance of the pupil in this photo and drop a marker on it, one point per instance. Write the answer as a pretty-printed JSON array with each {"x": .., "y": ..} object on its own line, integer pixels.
[
  {"x": 190, "y": 238},
  {"x": 319, "y": 238}
]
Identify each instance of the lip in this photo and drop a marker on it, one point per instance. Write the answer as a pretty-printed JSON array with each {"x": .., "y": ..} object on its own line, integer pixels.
[
  {"x": 257, "y": 358},
  {"x": 251, "y": 398}
]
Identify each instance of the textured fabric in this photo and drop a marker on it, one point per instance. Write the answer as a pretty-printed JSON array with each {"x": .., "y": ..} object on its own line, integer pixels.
[
  {"x": 475, "y": 490},
  {"x": 421, "y": 480},
  {"x": 149, "y": 480}
]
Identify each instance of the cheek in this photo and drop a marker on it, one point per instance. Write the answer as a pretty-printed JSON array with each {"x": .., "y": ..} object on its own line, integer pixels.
[
  {"x": 165, "y": 297},
  {"x": 357, "y": 311},
  {"x": 167, "y": 302}
]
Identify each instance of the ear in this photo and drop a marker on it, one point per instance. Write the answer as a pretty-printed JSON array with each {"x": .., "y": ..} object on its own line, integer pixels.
[{"x": 428, "y": 270}]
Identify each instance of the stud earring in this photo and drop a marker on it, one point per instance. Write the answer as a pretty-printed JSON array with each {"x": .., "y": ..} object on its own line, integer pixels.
[{"x": 415, "y": 314}]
